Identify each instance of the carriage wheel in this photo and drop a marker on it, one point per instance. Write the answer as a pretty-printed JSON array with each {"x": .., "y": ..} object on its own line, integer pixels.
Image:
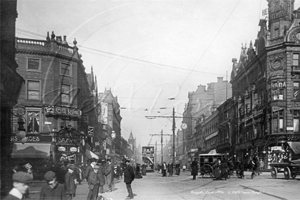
[
  {"x": 206, "y": 171},
  {"x": 274, "y": 172},
  {"x": 287, "y": 173}
]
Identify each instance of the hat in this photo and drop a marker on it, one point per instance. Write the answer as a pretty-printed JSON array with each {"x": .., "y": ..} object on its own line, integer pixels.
[
  {"x": 71, "y": 166},
  {"x": 126, "y": 161},
  {"x": 96, "y": 167},
  {"x": 109, "y": 159},
  {"x": 93, "y": 160},
  {"x": 50, "y": 175},
  {"x": 22, "y": 177}
]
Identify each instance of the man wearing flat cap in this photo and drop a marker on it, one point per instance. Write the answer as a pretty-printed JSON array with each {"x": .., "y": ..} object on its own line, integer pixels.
[
  {"x": 53, "y": 190},
  {"x": 70, "y": 185},
  {"x": 20, "y": 186}
]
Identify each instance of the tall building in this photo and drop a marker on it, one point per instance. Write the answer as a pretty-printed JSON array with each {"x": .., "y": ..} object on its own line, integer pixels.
[
  {"x": 111, "y": 119},
  {"x": 265, "y": 87},
  {"x": 202, "y": 103},
  {"x": 55, "y": 106},
  {"x": 10, "y": 86}
]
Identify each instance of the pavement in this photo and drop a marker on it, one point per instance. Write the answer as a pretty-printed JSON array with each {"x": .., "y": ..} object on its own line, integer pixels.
[{"x": 153, "y": 186}]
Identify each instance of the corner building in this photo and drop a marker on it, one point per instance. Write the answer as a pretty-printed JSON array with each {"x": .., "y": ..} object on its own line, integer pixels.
[{"x": 266, "y": 85}]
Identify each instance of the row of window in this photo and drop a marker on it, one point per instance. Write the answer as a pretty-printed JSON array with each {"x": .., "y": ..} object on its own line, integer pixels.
[
  {"x": 34, "y": 91},
  {"x": 34, "y": 64},
  {"x": 34, "y": 121}
]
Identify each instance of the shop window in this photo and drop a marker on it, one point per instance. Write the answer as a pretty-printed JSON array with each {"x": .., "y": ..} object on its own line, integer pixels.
[
  {"x": 296, "y": 88},
  {"x": 33, "y": 64},
  {"x": 65, "y": 93},
  {"x": 33, "y": 90},
  {"x": 278, "y": 94},
  {"x": 33, "y": 117},
  {"x": 65, "y": 69},
  {"x": 296, "y": 120}
]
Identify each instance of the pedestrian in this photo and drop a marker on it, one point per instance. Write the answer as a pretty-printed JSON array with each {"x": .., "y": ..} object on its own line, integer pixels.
[
  {"x": 21, "y": 182},
  {"x": 224, "y": 169},
  {"x": 261, "y": 165},
  {"x": 89, "y": 168},
  {"x": 170, "y": 169},
  {"x": 184, "y": 168},
  {"x": 53, "y": 189},
  {"x": 164, "y": 169},
  {"x": 128, "y": 178},
  {"x": 70, "y": 185},
  {"x": 93, "y": 183},
  {"x": 101, "y": 175},
  {"x": 109, "y": 173},
  {"x": 194, "y": 167},
  {"x": 217, "y": 169}
]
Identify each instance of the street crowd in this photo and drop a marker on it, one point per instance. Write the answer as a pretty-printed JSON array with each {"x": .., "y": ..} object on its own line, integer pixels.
[{"x": 62, "y": 182}]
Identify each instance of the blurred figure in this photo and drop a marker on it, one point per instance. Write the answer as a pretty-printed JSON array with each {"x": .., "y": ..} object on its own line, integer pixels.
[
  {"x": 90, "y": 168},
  {"x": 70, "y": 184},
  {"x": 164, "y": 169},
  {"x": 170, "y": 169},
  {"x": 109, "y": 173},
  {"x": 53, "y": 190},
  {"x": 261, "y": 165},
  {"x": 93, "y": 182},
  {"x": 101, "y": 175},
  {"x": 184, "y": 167},
  {"x": 21, "y": 182},
  {"x": 194, "y": 167}
]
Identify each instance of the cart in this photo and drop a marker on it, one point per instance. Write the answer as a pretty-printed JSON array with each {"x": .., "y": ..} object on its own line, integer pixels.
[
  {"x": 290, "y": 169},
  {"x": 206, "y": 164}
]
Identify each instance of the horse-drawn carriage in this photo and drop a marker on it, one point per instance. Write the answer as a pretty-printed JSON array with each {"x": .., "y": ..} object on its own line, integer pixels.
[
  {"x": 286, "y": 160},
  {"x": 207, "y": 162}
]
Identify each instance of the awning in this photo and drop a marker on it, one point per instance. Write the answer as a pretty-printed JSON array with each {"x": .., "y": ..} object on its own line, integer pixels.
[
  {"x": 31, "y": 150},
  {"x": 90, "y": 154},
  {"x": 295, "y": 146}
]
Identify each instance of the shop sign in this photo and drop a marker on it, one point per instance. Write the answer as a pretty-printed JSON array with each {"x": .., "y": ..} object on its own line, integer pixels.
[
  {"x": 73, "y": 149},
  {"x": 59, "y": 110},
  {"x": 278, "y": 85},
  {"x": 61, "y": 149},
  {"x": 37, "y": 139}
]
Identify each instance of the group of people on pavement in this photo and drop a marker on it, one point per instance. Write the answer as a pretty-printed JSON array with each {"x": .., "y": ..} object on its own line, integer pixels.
[
  {"x": 62, "y": 185},
  {"x": 170, "y": 169}
]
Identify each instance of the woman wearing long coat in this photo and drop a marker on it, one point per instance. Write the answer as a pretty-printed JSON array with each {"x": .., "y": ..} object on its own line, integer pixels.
[{"x": 194, "y": 167}]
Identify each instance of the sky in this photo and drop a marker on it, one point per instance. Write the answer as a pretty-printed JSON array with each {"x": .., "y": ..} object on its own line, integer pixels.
[{"x": 147, "y": 51}]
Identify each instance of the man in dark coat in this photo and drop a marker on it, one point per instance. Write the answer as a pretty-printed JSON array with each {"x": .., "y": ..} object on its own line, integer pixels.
[
  {"x": 194, "y": 167},
  {"x": 20, "y": 186},
  {"x": 109, "y": 173},
  {"x": 89, "y": 168},
  {"x": 101, "y": 175},
  {"x": 70, "y": 185},
  {"x": 53, "y": 190},
  {"x": 128, "y": 178},
  {"x": 93, "y": 182}
]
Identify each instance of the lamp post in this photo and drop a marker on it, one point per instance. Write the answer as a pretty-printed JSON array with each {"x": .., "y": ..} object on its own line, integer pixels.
[{"x": 21, "y": 134}]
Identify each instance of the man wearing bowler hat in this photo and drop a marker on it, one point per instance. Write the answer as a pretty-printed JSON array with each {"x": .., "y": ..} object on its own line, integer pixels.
[
  {"x": 20, "y": 186},
  {"x": 109, "y": 173},
  {"x": 93, "y": 182},
  {"x": 90, "y": 168},
  {"x": 53, "y": 190}
]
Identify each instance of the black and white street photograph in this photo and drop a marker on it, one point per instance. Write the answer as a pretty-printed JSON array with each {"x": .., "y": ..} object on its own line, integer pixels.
[{"x": 150, "y": 99}]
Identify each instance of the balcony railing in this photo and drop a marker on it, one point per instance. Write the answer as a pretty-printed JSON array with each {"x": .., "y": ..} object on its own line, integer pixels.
[{"x": 30, "y": 42}]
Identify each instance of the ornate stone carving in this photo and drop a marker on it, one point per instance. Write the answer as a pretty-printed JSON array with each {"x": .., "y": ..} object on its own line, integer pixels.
[{"x": 276, "y": 62}]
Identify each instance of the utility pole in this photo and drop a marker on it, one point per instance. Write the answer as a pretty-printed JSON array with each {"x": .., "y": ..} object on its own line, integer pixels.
[{"x": 162, "y": 149}]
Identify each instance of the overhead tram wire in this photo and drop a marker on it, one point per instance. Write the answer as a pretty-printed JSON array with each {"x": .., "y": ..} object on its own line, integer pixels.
[
  {"x": 101, "y": 52},
  {"x": 193, "y": 70}
]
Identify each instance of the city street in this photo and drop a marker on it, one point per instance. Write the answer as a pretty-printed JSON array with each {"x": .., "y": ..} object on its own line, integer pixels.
[{"x": 153, "y": 186}]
